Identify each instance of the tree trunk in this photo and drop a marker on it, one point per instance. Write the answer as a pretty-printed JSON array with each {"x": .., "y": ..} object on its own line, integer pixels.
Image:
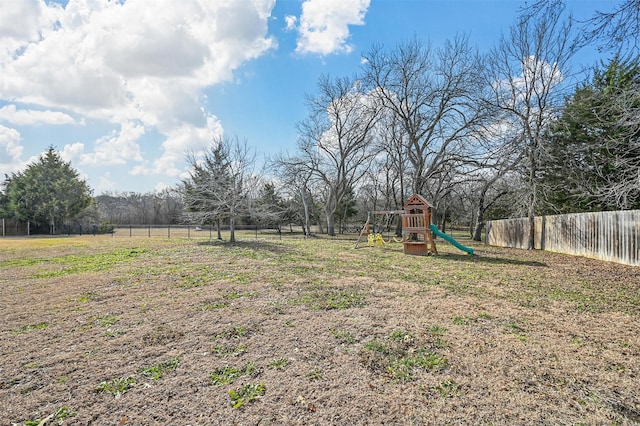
[
  {"x": 307, "y": 225},
  {"x": 532, "y": 219},
  {"x": 232, "y": 229},
  {"x": 218, "y": 228},
  {"x": 331, "y": 224},
  {"x": 477, "y": 233}
]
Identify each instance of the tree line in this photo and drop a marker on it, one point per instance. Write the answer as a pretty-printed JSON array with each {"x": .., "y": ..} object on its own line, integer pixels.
[{"x": 508, "y": 133}]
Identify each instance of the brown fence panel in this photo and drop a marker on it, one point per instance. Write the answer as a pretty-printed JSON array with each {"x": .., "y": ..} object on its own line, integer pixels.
[{"x": 610, "y": 236}]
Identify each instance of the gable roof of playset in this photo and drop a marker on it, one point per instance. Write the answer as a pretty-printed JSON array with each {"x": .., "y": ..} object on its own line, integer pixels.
[{"x": 415, "y": 201}]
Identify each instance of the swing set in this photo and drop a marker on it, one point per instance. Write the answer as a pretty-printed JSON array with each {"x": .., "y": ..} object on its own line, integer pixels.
[{"x": 417, "y": 237}]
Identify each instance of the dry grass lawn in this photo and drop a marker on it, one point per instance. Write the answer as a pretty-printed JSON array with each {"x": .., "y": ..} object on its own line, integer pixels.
[{"x": 139, "y": 331}]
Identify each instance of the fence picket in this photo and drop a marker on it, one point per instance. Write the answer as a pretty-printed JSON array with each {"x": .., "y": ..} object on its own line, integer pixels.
[{"x": 611, "y": 236}]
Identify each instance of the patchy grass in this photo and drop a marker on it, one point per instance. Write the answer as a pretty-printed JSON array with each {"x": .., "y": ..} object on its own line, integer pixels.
[
  {"x": 229, "y": 374},
  {"x": 245, "y": 394},
  {"x": 76, "y": 264},
  {"x": 329, "y": 298},
  {"x": 228, "y": 350},
  {"x": 279, "y": 363},
  {"x": 57, "y": 417},
  {"x": 504, "y": 337},
  {"x": 31, "y": 327},
  {"x": 118, "y": 386},
  {"x": 155, "y": 372}
]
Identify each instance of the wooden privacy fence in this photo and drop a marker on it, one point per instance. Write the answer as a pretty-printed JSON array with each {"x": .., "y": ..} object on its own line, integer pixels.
[{"x": 610, "y": 236}]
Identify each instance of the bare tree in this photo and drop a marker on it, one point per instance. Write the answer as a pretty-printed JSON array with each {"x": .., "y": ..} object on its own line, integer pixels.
[
  {"x": 294, "y": 173},
  {"x": 335, "y": 140},
  {"x": 526, "y": 76},
  {"x": 616, "y": 30},
  {"x": 223, "y": 182},
  {"x": 436, "y": 97}
]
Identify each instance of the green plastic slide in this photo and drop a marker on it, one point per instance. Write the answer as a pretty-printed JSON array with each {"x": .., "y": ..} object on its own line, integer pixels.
[{"x": 446, "y": 237}]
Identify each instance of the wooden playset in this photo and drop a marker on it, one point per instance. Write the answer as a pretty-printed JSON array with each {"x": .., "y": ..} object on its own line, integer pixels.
[{"x": 417, "y": 237}]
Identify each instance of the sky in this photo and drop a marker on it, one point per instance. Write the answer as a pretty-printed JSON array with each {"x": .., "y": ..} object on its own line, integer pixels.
[{"x": 124, "y": 89}]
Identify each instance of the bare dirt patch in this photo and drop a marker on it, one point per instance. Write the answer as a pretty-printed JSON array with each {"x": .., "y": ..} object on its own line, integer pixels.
[{"x": 154, "y": 331}]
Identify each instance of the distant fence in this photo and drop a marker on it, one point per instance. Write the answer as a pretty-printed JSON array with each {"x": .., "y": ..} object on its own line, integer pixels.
[
  {"x": 610, "y": 236},
  {"x": 206, "y": 232},
  {"x": 10, "y": 227}
]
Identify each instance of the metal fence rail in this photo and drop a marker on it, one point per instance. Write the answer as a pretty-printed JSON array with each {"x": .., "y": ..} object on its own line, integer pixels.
[
  {"x": 611, "y": 236},
  {"x": 202, "y": 232}
]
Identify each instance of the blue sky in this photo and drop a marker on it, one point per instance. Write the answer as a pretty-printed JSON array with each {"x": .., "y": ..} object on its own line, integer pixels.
[{"x": 123, "y": 89}]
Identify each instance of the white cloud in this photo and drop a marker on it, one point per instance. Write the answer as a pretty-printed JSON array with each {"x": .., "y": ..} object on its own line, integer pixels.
[
  {"x": 25, "y": 117},
  {"x": 117, "y": 147},
  {"x": 324, "y": 25},
  {"x": 291, "y": 22},
  {"x": 71, "y": 152},
  {"x": 160, "y": 186},
  {"x": 180, "y": 141},
  {"x": 103, "y": 58},
  {"x": 137, "y": 61},
  {"x": 21, "y": 20},
  {"x": 10, "y": 151}
]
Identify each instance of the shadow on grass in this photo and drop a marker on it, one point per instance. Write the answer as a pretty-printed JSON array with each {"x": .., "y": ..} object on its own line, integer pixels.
[
  {"x": 491, "y": 260},
  {"x": 252, "y": 245}
]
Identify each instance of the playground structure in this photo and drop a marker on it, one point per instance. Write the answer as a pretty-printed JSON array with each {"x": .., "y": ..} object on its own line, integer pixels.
[{"x": 418, "y": 233}]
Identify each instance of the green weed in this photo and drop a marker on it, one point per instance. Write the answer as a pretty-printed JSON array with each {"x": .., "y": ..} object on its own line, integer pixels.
[
  {"x": 228, "y": 374},
  {"x": 155, "y": 372},
  {"x": 106, "y": 320},
  {"x": 403, "y": 336},
  {"x": 447, "y": 389},
  {"x": 437, "y": 330},
  {"x": 233, "y": 332},
  {"x": 315, "y": 373},
  {"x": 212, "y": 306},
  {"x": 429, "y": 361},
  {"x": 377, "y": 346},
  {"x": 31, "y": 327},
  {"x": 279, "y": 363},
  {"x": 343, "y": 336},
  {"x": 327, "y": 299},
  {"x": 112, "y": 332},
  {"x": 399, "y": 356},
  {"x": 117, "y": 387},
  {"x": 246, "y": 394},
  {"x": 57, "y": 417},
  {"x": 87, "y": 297},
  {"x": 224, "y": 351}
]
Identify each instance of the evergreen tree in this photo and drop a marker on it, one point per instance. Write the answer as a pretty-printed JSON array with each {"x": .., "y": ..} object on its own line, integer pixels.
[
  {"x": 594, "y": 146},
  {"x": 48, "y": 192}
]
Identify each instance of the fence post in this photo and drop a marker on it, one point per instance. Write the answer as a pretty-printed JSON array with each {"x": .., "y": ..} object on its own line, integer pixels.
[
  {"x": 168, "y": 231},
  {"x": 149, "y": 231},
  {"x": 130, "y": 230},
  {"x": 189, "y": 231}
]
